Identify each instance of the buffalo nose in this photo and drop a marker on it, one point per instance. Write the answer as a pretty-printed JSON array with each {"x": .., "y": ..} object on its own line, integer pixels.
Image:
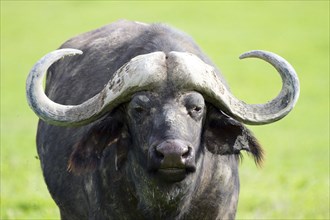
[{"x": 173, "y": 153}]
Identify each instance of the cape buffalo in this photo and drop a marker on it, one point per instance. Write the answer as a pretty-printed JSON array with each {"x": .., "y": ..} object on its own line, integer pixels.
[{"x": 141, "y": 125}]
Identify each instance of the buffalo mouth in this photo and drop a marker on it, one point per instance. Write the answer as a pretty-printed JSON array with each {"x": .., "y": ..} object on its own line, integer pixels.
[{"x": 174, "y": 174}]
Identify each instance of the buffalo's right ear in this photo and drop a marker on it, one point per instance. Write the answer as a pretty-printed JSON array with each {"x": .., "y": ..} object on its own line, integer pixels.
[
  {"x": 224, "y": 135},
  {"x": 87, "y": 152}
]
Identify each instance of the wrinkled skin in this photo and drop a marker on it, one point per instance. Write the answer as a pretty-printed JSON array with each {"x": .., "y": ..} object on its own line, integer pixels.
[{"x": 166, "y": 154}]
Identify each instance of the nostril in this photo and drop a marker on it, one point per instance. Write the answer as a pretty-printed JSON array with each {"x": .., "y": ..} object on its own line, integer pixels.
[
  {"x": 159, "y": 154},
  {"x": 187, "y": 153}
]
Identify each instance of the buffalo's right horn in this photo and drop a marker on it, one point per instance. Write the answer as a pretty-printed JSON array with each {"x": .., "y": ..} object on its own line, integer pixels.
[
  {"x": 141, "y": 73},
  {"x": 191, "y": 72}
]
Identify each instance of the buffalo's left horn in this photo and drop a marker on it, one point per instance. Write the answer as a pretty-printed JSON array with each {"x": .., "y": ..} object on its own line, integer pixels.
[
  {"x": 196, "y": 74},
  {"x": 148, "y": 72}
]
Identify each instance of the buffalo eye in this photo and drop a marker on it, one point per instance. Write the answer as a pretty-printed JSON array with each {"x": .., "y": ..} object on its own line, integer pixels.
[
  {"x": 139, "y": 109},
  {"x": 140, "y": 105},
  {"x": 197, "y": 109},
  {"x": 195, "y": 105}
]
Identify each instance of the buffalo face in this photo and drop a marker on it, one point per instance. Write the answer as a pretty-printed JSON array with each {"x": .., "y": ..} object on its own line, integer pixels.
[{"x": 168, "y": 132}]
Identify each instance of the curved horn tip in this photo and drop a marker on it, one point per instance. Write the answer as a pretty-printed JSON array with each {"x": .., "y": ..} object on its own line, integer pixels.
[
  {"x": 70, "y": 51},
  {"x": 58, "y": 54},
  {"x": 255, "y": 53},
  {"x": 34, "y": 88},
  {"x": 290, "y": 87}
]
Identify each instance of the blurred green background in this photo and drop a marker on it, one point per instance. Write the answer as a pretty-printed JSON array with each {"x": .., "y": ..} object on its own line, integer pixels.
[{"x": 294, "y": 181}]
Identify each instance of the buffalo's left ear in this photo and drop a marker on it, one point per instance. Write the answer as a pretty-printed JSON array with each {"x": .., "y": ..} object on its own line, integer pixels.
[
  {"x": 224, "y": 135},
  {"x": 87, "y": 152}
]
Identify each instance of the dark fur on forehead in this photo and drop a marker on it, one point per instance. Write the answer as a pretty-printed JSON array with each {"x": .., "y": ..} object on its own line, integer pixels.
[{"x": 224, "y": 135}]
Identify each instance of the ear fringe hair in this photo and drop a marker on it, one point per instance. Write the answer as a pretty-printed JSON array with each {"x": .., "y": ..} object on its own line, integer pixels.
[
  {"x": 81, "y": 163},
  {"x": 255, "y": 150},
  {"x": 87, "y": 153},
  {"x": 258, "y": 161}
]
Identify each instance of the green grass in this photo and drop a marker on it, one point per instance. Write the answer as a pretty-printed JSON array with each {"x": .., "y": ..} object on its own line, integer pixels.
[{"x": 294, "y": 181}]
